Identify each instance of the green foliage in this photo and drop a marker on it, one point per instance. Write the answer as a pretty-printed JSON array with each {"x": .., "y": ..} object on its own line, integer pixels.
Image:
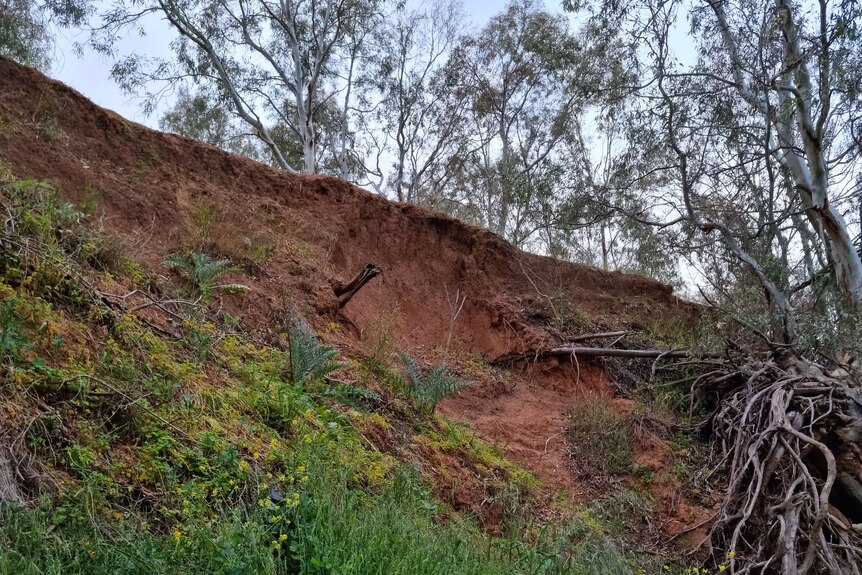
[
  {"x": 599, "y": 441},
  {"x": 396, "y": 531},
  {"x": 351, "y": 395},
  {"x": 427, "y": 388},
  {"x": 13, "y": 341},
  {"x": 202, "y": 272},
  {"x": 332, "y": 528},
  {"x": 309, "y": 359},
  {"x": 195, "y": 116},
  {"x": 64, "y": 540},
  {"x": 24, "y": 33}
]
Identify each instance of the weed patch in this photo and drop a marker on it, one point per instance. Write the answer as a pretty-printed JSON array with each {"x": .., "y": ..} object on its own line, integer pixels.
[{"x": 598, "y": 441}]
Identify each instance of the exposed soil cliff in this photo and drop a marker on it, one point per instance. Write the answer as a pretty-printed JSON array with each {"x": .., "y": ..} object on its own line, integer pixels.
[{"x": 297, "y": 235}]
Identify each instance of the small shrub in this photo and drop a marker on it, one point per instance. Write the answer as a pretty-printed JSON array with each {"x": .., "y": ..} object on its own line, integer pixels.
[
  {"x": 427, "y": 388},
  {"x": 202, "y": 272},
  {"x": 309, "y": 359},
  {"x": 215, "y": 233},
  {"x": 13, "y": 341},
  {"x": 598, "y": 440},
  {"x": 376, "y": 361}
]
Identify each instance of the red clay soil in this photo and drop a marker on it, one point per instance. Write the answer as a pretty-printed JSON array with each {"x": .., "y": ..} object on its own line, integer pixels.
[
  {"x": 158, "y": 192},
  {"x": 527, "y": 416}
]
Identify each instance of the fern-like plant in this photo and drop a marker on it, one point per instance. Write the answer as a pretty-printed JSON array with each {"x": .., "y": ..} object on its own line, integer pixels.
[
  {"x": 427, "y": 388},
  {"x": 202, "y": 272},
  {"x": 309, "y": 359}
]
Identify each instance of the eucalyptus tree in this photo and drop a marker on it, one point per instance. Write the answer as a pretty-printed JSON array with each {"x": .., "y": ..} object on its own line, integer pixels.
[
  {"x": 801, "y": 77},
  {"x": 196, "y": 116},
  {"x": 25, "y": 27},
  {"x": 276, "y": 64},
  {"x": 24, "y": 34},
  {"x": 517, "y": 72},
  {"x": 746, "y": 131},
  {"x": 419, "y": 114}
]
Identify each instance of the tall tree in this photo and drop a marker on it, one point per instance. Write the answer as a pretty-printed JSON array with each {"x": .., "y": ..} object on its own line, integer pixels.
[
  {"x": 419, "y": 112},
  {"x": 729, "y": 138},
  {"x": 802, "y": 77},
  {"x": 274, "y": 62},
  {"x": 25, "y": 27},
  {"x": 517, "y": 71}
]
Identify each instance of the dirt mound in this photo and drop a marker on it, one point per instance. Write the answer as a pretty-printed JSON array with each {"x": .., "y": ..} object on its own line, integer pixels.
[{"x": 297, "y": 235}]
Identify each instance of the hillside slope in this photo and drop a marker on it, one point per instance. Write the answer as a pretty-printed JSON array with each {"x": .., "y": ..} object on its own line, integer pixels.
[
  {"x": 154, "y": 187},
  {"x": 296, "y": 236}
]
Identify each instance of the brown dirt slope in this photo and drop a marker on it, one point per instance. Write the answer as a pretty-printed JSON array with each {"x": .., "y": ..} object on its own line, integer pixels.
[
  {"x": 153, "y": 187},
  {"x": 159, "y": 192}
]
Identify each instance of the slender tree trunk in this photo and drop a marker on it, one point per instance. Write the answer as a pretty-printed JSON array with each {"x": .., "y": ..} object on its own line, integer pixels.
[
  {"x": 812, "y": 185},
  {"x": 604, "y": 247},
  {"x": 499, "y": 226},
  {"x": 341, "y": 152},
  {"x": 308, "y": 138}
]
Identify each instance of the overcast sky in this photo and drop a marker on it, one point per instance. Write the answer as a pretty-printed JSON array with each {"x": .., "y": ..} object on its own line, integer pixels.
[{"x": 90, "y": 73}]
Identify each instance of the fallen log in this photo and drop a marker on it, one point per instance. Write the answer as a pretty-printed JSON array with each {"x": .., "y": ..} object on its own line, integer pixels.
[
  {"x": 578, "y": 351},
  {"x": 602, "y": 335},
  {"x": 614, "y": 352}
]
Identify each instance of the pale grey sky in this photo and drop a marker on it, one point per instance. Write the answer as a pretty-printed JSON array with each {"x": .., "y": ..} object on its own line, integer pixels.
[{"x": 90, "y": 73}]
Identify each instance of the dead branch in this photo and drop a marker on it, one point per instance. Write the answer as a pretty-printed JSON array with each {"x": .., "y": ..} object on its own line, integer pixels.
[
  {"x": 455, "y": 308},
  {"x": 570, "y": 350},
  {"x": 603, "y": 335},
  {"x": 346, "y": 291},
  {"x": 614, "y": 352}
]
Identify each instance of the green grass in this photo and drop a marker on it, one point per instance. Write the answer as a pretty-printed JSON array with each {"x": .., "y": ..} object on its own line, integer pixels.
[{"x": 335, "y": 528}]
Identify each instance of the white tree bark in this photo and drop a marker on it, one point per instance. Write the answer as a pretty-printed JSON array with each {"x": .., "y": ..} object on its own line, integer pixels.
[{"x": 809, "y": 169}]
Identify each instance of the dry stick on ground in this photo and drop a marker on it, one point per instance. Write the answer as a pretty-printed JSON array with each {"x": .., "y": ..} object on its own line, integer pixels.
[
  {"x": 603, "y": 335},
  {"x": 455, "y": 308},
  {"x": 569, "y": 351},
  {"x": 346, "y": 291}
]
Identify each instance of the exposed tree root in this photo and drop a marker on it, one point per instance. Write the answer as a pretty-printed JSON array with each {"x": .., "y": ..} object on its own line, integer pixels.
[
  {"x": 789, "y": 435},
  {"x": 345, "y": 292}
]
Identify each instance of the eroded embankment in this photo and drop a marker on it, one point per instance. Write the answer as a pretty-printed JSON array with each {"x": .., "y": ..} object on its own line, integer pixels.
[{"x": 296, "y": 235}]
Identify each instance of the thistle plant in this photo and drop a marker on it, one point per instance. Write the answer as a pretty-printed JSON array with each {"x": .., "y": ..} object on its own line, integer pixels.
[
  {"x": 427, "y": 388},
  {"x": 309, "y": 359},
  {"x": 201, "y": 272}
]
